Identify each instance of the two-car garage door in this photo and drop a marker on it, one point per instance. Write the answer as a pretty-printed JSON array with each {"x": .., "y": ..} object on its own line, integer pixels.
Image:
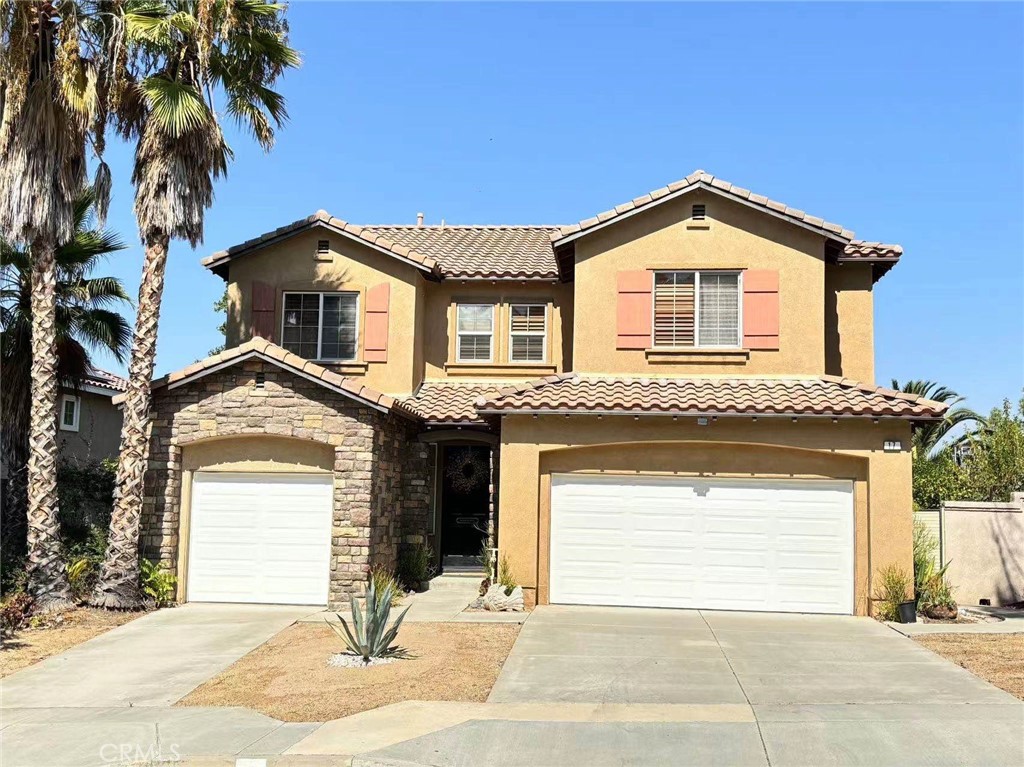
[
  {"x": 260, "y": 538},
  {"x": 771, "y": 545}
]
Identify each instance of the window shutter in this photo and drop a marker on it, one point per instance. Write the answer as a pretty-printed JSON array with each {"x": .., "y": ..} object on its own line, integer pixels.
[
  {"x": 674, "y": 309},
  {"x": 633, "y": 311},
  {"x": 760, "y": 309},
  {"x": 375, "y": 344},
  {"x": 264, "y": 297}
]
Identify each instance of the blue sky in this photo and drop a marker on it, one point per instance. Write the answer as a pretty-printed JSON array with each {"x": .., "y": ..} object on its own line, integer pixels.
[{"x": 904, "y": 123}]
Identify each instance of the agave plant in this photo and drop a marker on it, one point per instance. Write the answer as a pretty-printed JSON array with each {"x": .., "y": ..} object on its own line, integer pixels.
[{"x": 370, "y": 637}]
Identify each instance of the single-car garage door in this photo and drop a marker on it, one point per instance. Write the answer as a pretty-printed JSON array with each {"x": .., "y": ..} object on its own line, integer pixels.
[
  {"x": 780, "y": 546},
  {"x": 260, "y": 538}
]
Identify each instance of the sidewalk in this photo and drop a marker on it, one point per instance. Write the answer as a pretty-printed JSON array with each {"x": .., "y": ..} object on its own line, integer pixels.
[{"x": 1009, "y": 622}]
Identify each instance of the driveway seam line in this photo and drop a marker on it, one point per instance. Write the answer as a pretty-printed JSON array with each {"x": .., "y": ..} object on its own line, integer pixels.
[{"x": 757, "y": 722}]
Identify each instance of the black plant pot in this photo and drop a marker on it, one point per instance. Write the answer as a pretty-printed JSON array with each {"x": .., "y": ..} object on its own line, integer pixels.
[{"x": 908, "y": 612}]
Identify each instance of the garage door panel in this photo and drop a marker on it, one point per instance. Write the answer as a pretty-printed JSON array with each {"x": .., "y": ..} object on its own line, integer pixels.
[
  {"x": 260, "y": 538},
  {"x": 782, "y": 545}
]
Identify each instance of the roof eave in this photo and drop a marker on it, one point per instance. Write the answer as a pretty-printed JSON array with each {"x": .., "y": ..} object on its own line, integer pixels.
[
  {"x": 700, "y": 414},
  {"x": 840, "y": 237}
]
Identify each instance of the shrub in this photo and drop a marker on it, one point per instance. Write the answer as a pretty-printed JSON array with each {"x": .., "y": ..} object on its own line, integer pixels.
[
  {"x": 15, "y": 610},
  {"x": 415, "y": 565},
  {"x": 892, "y": 591},
  {"x": 382, "y": 578},
  {"x": 370, "y": 637},
  {"x": 83, "y": 560},
  {"x": 158, "y": 583},
  {"x": 505, "y": 577},
  {"x": 487, "y": 559}
]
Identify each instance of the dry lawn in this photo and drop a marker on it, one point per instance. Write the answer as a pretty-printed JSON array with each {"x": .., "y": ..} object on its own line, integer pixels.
[
  {"x": 31, "y": 645},
  {"x": 288, "y": 677},
  {"x": 996, "y": 658}
]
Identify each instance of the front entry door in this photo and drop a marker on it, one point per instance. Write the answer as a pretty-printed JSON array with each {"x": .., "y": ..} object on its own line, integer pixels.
[{"x": 465, "y": 491}]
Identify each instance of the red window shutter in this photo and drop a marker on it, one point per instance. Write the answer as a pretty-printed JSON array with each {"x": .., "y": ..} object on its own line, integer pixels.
[
  {"x": 760, "y": 309},
  {"x": 264, "y": 298},
  {"x": 633, "y": 311},
  {"x": 375, "y": 344}
]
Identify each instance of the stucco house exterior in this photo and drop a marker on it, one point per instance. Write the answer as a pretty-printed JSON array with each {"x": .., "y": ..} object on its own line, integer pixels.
[{"x": 669, "y": 404}]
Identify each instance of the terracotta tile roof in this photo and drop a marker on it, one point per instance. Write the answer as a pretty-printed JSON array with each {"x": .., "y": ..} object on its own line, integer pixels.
[
  {"x": 451, "y": 402},
  {"x": 704, "y": 180},
  {"x": 497, "y": 252},
  {"x": 265, "y": 350},
  {"x": 323, "y": 219},
  {"x": 826, "y": 396},
  {"x": 105, "y": 380},
  {"x": 861, "y": 250}
]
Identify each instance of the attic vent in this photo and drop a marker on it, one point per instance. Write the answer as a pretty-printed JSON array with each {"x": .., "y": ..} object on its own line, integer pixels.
[
  {"x": 323, "y": 247},
  {"x": 699, "y": 212},
  {"x": 261, "y": 380}
]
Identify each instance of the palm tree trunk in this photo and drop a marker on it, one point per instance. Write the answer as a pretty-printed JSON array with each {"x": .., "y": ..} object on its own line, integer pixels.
[
  {"x": 118, "y": 584},
  {"x": 47, "y": 577}
]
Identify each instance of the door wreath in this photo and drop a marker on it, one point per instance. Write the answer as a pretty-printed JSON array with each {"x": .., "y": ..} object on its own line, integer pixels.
[{"x": 466, "y": 469}]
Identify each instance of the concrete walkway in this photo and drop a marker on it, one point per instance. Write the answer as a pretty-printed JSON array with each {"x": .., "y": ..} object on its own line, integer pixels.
[
  {"x": 444, "y": 602},
  {"x": 1006, "y": 621}
]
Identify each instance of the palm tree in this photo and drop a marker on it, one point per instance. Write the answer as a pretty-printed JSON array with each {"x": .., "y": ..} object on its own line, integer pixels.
[
  {"x": 84, "y": 322},
  {"x": 182, "y": 52},
  {"x": 47, "y": 101},
  {"x": 928, "y": 436}
]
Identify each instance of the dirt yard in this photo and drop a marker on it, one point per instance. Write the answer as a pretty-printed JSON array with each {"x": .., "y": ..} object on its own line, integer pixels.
[
  {"x": 31, "y": 645},
  {"x": 288, "y": 677},
  {"x": 997, "y": 658}
]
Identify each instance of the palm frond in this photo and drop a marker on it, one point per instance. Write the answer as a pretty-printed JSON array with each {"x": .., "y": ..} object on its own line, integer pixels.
[{"x": 178, "y": 107}]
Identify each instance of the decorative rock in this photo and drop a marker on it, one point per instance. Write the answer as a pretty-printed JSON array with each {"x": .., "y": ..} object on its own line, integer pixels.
[
  {"x": 348, "y": 660},
  {"x": 496, "y": 600}
]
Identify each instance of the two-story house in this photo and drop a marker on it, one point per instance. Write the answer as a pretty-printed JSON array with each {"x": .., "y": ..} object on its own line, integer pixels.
[{"x": 670, "y": 404}]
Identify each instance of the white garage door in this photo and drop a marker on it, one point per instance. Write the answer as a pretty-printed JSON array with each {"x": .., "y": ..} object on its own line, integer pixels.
[
  {"x": 260, "y": 538},
  {"x": 780, "y": 546}
]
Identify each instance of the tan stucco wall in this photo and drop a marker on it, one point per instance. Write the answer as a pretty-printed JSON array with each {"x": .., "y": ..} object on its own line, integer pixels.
[
  {"x": 292, "y": 264},
  {"x": 733, "y": 237},
  {"x": 440, "y": 329},
  {"x": 849, "y": 322},
  {"x": 984, "y": 546},
  {"x": 262, "y": 453},
  {"x": 533, "y": 448},
  {"x": 99, "y": 429}
]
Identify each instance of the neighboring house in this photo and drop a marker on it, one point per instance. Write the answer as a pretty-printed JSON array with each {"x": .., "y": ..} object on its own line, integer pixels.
[
  {"x": 88, "y": 422},
  {"x": 670, "y": 404}
]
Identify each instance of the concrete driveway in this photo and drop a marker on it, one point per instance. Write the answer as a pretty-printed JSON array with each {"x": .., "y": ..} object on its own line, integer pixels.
[
  {"x": 153, "y": 661},
  {"x": 818, "y": 690}
]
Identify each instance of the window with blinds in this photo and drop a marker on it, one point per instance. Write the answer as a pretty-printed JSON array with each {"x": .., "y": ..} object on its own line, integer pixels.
[
  {"x": 475, "y": 332},
  {"x": 321, "y": 326},
  {"x": 693, "y": 309},
  {"x": 528, "y": 333}
]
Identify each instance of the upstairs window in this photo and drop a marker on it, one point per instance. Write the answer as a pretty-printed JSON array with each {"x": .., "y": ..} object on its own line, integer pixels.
[
  {"x": 528, "y": 333},
  {"x": 697, "y": 309},
  {"x": 321, "y": 326},
  {"x": 475, "y": 332},
  {"x": 70, "y": 409}
]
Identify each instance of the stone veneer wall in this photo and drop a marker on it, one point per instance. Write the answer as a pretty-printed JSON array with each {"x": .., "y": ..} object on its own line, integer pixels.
[{"x": 380, "y": 479}]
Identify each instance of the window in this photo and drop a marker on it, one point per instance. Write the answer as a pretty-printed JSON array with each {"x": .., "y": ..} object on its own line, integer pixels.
[
  {"x": 699, "y": 309},
  {"x": 321, "y": 326},
  {"x": 70, "y": 409},
  {"x": 475, "y": 332},
  {"x": 528, "y": 332}
]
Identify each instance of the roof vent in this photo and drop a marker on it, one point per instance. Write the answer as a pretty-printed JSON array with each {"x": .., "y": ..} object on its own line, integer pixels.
[
  {"x": 700, "y": 212},
  {"x": 419, "y": 219},
  {"x": 261, "y": 380},
  {"x": 323, "y": 247}
]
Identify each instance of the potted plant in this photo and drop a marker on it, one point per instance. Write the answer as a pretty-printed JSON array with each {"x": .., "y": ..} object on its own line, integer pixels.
[
  {"x": 416, "y": 567},
  {"x": 891, "y": 597}
]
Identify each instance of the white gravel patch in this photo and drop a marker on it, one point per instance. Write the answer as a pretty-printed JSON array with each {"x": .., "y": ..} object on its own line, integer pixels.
[{"x": 348, "y": 660}]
